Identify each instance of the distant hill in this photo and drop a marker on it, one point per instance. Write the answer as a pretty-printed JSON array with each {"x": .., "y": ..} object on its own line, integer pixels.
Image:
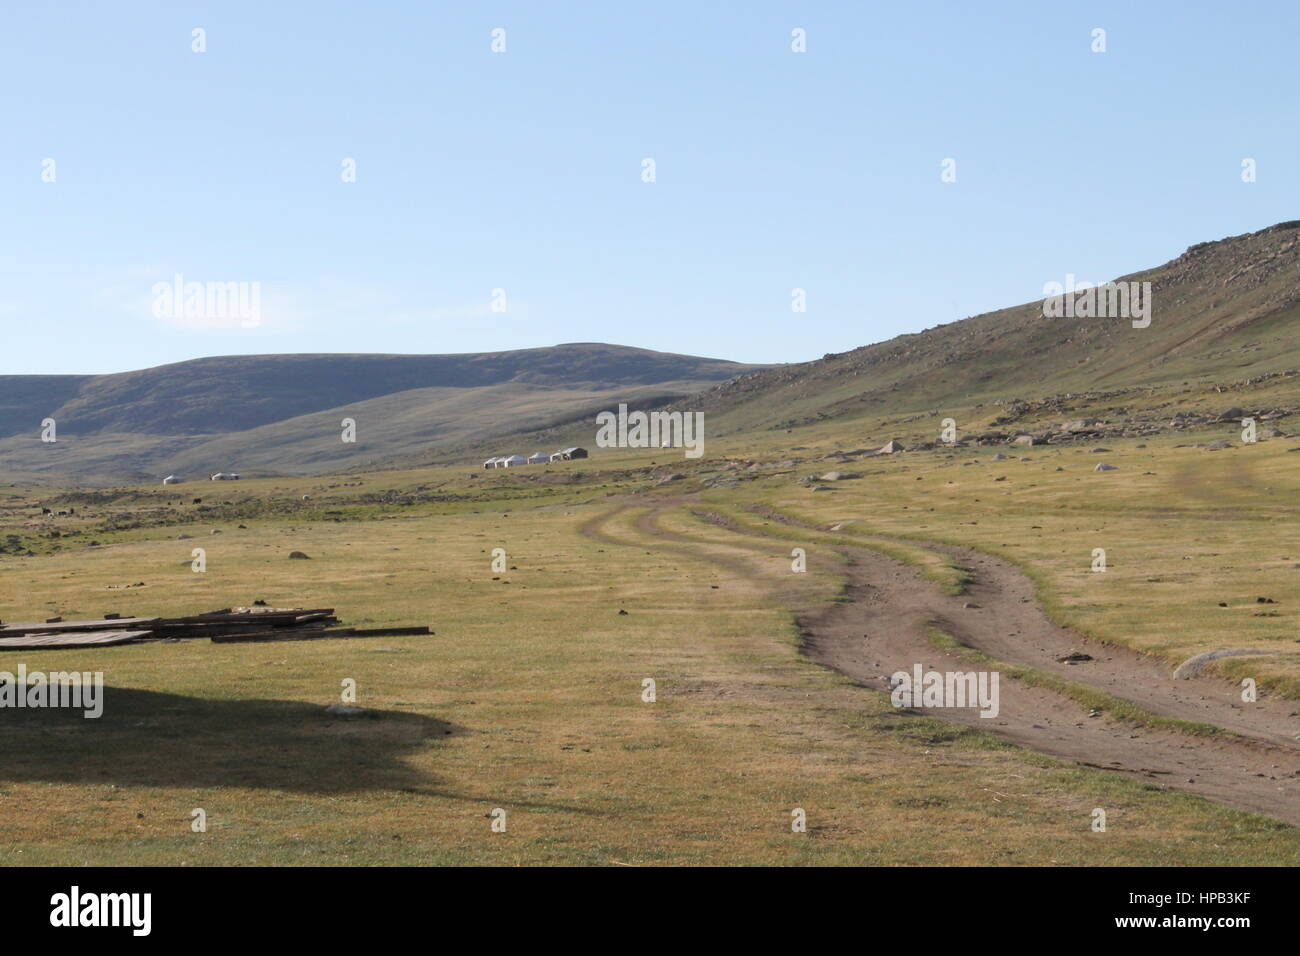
[
  {"x": 1224, "y": 331},
  {"x": 281, "y": 414},
  {"x": 1223, "y": 311}
]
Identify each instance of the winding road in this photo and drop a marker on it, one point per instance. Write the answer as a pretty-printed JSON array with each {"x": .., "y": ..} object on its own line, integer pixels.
[{"x": 885, "y": 624}]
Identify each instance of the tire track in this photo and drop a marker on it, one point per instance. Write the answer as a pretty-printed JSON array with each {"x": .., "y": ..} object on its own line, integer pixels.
[{"x": 885, "y": 626}]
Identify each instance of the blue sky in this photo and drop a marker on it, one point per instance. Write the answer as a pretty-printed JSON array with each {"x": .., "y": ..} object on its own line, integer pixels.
[{"x": 522, "y": 170}]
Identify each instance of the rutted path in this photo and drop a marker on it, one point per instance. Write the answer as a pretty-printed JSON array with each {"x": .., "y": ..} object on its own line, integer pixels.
[
  {"x": 884, "y": 625},
  {"x": 1010, "y": 625}
]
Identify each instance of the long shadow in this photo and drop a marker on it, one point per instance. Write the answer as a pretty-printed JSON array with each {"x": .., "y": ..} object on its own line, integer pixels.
[{"x": 146, "y": 738}]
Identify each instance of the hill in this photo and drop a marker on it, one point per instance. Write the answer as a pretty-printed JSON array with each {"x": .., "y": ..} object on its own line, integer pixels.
[
  {"x": 281, "y": 414},
  {"x": 1223, "y": 339},
  {"x": 1224, "y": 313}
]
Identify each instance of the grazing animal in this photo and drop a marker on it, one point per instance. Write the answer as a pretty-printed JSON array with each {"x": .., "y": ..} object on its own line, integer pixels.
[{"x": 198, "y": 501}]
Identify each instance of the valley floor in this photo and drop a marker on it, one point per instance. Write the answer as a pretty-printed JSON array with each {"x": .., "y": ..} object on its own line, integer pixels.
[{"x": 770, "y": 685}]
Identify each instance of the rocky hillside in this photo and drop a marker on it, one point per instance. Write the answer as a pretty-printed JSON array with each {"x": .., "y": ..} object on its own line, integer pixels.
[{"x": 1224, "y": 313}]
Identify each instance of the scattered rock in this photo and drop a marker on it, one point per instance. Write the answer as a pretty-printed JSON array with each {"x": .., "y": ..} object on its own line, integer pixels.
[
  {"x": 1102, "y": 466},
  {"x": 299, "y": 556},
  {"x": 1192, "y": 666},
  {"x": 1081, "y": 425}
]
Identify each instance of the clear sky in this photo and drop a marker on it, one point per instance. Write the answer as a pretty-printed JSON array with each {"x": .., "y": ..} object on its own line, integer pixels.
[{"x": 523, "y": 170}]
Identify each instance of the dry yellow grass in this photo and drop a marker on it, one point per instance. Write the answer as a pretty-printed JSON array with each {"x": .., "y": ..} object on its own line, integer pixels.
[{"x": 529, "y": 699}]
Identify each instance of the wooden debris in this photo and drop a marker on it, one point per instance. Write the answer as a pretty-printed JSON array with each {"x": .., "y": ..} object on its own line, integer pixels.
[
  {"x": 253, "y": 624},
  {"x": 65, "y": 627},
  {"x": 47, "y": 642},
  {"x": 304, "y": 634}
]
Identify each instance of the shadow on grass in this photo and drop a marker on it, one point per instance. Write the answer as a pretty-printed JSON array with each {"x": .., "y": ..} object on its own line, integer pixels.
[{"x": 151, "y": 739}]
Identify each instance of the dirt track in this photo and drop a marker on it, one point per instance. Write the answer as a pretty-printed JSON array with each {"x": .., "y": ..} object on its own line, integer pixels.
[{"x": 885, "y": 626}]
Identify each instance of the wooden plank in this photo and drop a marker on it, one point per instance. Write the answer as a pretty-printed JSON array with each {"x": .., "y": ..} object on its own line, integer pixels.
[
  {"x": 234, "y": 627},
  {"x": 303, "y": 634},
  {"x": 247, "y": 616},
  {"x": 280, "y": 634},
  {"x": 82, "y": 639},
  {"x": 67, "y": 627},
  {"x": 261, "y": 611}
]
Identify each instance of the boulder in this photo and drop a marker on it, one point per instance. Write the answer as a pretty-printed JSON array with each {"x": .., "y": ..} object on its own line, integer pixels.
[{"x": 1079, "y": 425}]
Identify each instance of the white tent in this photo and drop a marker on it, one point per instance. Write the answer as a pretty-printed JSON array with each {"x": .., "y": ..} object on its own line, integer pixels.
[
  {"x": 537, "y": 458},
  {"x": 513, "y": 461},
  {"x": 171, "y": 480},
  {"x": 490, "y": 463}
]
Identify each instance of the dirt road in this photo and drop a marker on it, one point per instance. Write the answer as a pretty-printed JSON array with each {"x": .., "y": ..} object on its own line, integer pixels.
[{"x": 885, "y": 625}]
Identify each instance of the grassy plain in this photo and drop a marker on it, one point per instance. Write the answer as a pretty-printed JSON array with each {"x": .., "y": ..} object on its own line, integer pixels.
[{"x": 529, "y": 696}]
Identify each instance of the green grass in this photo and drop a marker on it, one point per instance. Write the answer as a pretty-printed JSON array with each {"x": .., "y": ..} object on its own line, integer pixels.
[{"x": 528, "y": 697}]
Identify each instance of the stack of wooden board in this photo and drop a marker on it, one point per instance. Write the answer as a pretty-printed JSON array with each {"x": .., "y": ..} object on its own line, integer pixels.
[{"x": 228, "y": 625}]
